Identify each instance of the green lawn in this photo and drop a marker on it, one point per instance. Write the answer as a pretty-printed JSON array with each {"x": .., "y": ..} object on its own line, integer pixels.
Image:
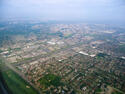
[
  {"x": 16, "y": 84},
  {"x": 121, "y": 48},
  {"x": 1, "y": 51},
  {"x": 50, "y": 79}
]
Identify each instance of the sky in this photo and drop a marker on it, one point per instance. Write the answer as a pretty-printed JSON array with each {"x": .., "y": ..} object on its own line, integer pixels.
[{"x": 65, "y": 10}]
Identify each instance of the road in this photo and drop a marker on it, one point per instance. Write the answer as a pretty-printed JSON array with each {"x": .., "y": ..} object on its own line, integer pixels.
[
  {"x": 46, "y": 55},
  {"x": 7, "y": 63},
  {"x": 12, "y": 66}
]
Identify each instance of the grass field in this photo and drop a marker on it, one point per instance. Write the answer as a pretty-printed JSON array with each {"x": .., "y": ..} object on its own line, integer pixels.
[
  {"x": 121, "y": 48},
  {"x": 16, "y": 84},
  {"x": 50, "y": 79}
]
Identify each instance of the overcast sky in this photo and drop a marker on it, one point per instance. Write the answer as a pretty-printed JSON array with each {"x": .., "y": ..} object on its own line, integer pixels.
[{"x": 85, "y": 10}]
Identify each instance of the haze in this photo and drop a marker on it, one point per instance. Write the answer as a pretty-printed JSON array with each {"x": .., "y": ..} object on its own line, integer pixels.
[{"x": 65, "y": 10}]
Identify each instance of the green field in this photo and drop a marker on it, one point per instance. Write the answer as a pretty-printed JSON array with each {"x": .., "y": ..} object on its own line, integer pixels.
[
  {"x": 50, "y": 79},
  {"x": 120, "y": 48},
  {"x": 16, "y": 84},
  {"x": 1, "y": 51}
]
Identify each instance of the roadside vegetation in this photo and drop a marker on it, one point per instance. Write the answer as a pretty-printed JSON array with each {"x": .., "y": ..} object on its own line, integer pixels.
[{"x": 15, "y": 83}]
